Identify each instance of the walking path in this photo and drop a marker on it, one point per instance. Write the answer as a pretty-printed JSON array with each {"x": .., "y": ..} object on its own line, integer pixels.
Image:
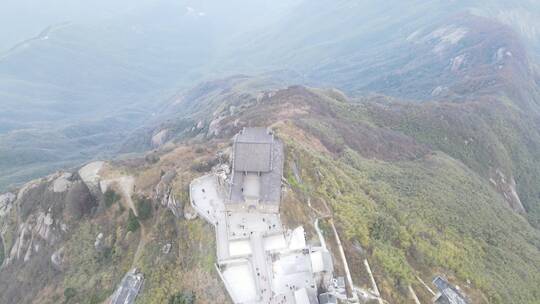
[{"x": 413, "y": 295}]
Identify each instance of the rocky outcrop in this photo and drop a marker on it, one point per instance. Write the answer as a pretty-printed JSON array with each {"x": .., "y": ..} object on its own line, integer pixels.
[
  {"x": 507, "y": 187},
  {"x": 6, "y": 202},
  {"x": 164, "y": 194},
  {"x": 172, "y": 204},
  {"x": 62, "y": 182},
  {"x": 79, "y": 201},
  {"x": 98, "y": 244},
  {"x": 160, "y": 138},
  {"x": 90, "y": 174},
  {"x": 189, "y": 212},
  {"x": 43, "y": 227},
  {"x": 214, "y": 128},
  {"x": 166, "y": 248},
  {"x": 57, "y": 258},
  {"x": 40, "y": 215},
  {"x": 37, "y": 231}
]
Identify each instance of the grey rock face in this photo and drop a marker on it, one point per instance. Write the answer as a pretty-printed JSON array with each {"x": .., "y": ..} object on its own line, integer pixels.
[
  {"x": 57, "y": 258},
  {"x": 6, "y": 202},
  {"x": 166, "y": 248},
  {"x": 62, "y": 182},
  {"x": 44, "y": 209},
  {"x": 163, "y": 193},
  {"x": 98, "y": 244}
]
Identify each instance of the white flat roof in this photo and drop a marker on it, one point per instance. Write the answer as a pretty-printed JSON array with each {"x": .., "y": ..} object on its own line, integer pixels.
[
  {"x": 239, "y": 248},
  {"x": 301, "y": 296},
  {"x": 240, "y": 281}
]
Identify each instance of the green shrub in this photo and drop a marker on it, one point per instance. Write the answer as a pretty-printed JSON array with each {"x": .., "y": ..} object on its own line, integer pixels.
[
  {"x": 152, "y": 158},
  {"x": 132, "y": 222},
  {"x": 105, "y": 255},
  {"x": 393, "y": 262},
  {"x": 69, "y": 293},
  {"x": 205, "y": 166},
  {"x": 182, "y": 298},
  {"x": 96, "y": 298},
  {"x": 144, "y": 208},
  {"x": 110, "y": 197},
  {"x": 384, "y": 228}
]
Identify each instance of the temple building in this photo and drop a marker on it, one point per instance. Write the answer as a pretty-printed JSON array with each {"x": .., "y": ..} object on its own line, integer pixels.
[{"x": 257, "y": 160}]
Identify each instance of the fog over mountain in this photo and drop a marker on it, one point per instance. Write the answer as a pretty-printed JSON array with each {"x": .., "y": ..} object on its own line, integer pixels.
[
  {"x": 75, "y": 77},
  {"x": 416, "y": 124}
]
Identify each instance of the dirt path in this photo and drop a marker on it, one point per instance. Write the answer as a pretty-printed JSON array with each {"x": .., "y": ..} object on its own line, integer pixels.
[
  {"x": 142, "y": 243},
  {"x": 126, "y": 185},
  {"x": 319, "y": 233},
  {"x": 413, "y": 295},
  {"x": 373, "y": 282}
]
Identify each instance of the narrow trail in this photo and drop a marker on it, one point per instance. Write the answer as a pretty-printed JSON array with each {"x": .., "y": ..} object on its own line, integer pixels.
[
  {"x": 355, "y": 291},
  {"x": 126, "y": 185},
  {"x": 329, "y": 216},
  {"x": 319, "y": 233},
  {"x": 142, "y": 243},
  {"x": 426, "y": 286},
  {"x": 413, "y": 295},
  {"x": 348, "y": 276}
]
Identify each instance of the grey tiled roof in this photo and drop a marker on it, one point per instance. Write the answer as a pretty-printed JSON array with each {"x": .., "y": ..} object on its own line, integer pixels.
[
  {"x": 449, "y": 294},
  {"x": 252, "y": 157},
  {"x": 254, "y": 135},
  {"x": 253, "y": 150},
  {"x": 264, "y": 154}
]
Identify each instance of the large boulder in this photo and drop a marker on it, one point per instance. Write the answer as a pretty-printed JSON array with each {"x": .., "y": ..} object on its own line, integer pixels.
[{"x": 79, "y": 201}]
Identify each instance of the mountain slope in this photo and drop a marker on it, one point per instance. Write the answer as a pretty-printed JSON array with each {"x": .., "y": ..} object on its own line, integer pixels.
[
  {"x": 377, "y": 179},
  {"x": 411, "y": 210}
]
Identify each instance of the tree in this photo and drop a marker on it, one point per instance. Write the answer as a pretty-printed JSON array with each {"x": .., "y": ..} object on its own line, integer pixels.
[
  {"x": 144, "y": 208},
  {"x": 132, "y": 222}
]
